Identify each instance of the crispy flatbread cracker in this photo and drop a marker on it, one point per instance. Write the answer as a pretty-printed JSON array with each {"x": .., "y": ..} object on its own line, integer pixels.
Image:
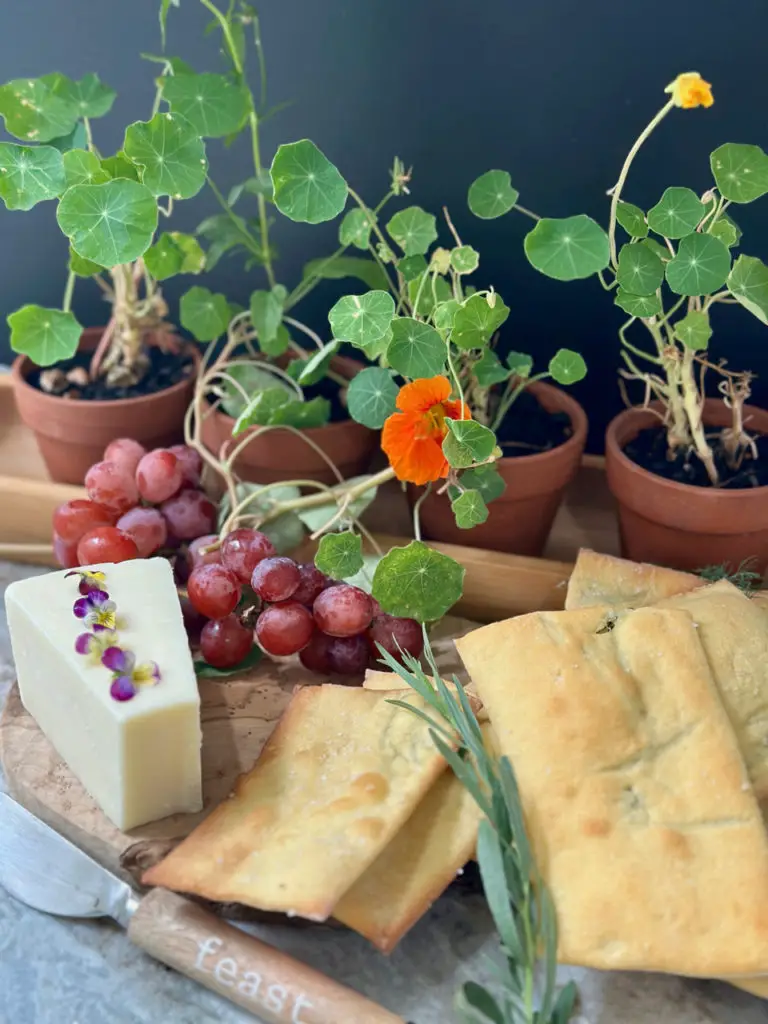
[
  {"x": 757, "y": 986},
  {"x": 340, "y": 775},
  {"x": 637, "y": 799},
  {"x": 605, "y": 580},
  {"x": 375, "y": 680}
]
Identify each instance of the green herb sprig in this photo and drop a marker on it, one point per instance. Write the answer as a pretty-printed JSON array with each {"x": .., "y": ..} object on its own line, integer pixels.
[{"x": 743, "y": 576}]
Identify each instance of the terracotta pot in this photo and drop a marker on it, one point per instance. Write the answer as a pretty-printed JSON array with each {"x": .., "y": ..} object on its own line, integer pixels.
[
  {"x": 282, "y": 455},
  {"x": 678, "y": 525},
  {"x": 520, "y": 520},
  {"x": 72, "y": 435}
]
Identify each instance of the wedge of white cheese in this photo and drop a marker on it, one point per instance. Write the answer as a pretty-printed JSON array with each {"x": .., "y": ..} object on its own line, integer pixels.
[{"x": 139, "y": 758}]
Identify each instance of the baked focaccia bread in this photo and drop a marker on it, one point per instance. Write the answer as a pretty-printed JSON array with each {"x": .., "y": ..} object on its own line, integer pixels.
[
  {"x": 637, "y": 799},
  {"x": 340, "y": 775},
  {"x": 599, "y": 580}
]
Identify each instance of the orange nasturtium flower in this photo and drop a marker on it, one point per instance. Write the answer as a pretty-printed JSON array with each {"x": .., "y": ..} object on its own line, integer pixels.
[
  {"x": 690, "y": 90},
  {"x": 412, "y": 438}
]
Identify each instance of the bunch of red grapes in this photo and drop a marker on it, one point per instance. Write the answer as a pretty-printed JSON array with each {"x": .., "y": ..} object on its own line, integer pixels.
[{"x": 240, "y": 592}]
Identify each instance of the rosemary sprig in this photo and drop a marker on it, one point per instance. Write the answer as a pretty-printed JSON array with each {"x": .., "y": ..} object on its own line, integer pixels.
[{"x": 518, "y": 899}]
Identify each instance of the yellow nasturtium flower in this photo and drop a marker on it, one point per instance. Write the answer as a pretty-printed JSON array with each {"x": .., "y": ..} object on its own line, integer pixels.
[{"x": 690, "y": 90}]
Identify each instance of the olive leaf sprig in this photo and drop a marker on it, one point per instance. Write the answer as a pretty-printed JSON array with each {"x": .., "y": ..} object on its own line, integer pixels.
[{"x": 518, "y": 899}]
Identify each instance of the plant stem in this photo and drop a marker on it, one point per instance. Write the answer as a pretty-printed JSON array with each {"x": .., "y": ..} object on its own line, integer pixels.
[
  {"x": 510, "y": 396},
  {"x": 89, "y": 136},
  {"x": 237, "y": 221},
  {"x": 525, "y": 212},
  {"x": 66, "y": 303}
]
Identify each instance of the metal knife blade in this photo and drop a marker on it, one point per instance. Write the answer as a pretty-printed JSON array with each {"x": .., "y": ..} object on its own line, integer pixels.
[{"x": 45, "y": 871}]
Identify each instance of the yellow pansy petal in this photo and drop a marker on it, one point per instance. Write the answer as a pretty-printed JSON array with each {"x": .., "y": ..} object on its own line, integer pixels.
[{"x": 689, "y": 90}]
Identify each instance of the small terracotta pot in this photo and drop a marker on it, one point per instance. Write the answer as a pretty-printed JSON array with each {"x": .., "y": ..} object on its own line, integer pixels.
[
  {"x": 72, "y": 434},
  {"x": 520, "y": 520},
  {"x": 681, "y": 526},
  {"x": 281, "y": 455}
]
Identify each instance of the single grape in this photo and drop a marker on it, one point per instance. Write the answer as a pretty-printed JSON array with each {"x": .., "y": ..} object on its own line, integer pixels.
[
  {"x": 311, "y": 583},
  {"x": 193, "y": 620},
  {"x": 147, "y": 527},
  {"x": 112, "y": 486},
  {"x": 225, "y": 642},
  {"x": 275, "y": 579},
  {"x": 125, "y": 452},
  {"x": 213, "y": 590},
  {"x": 242, "y": 550},
  {"x": 194, "y": 555},
  {"x": 191, "y": 463},
  {"x": 158, "y": 476},
  {"x": 189, "y": 515},
  {"x": 106, "y": 544},
  {"x": 389, "y": 631},
  {"x": 74, "y": 518},
  {"x": 315, "y": 655},
  {"x": 283, "y": 629},
  {"x": 65, "y": 552},
  {"x": 348, "y": 655},
  {"x": 376, "y": 607},
  {"x": 343, "y": 610}
]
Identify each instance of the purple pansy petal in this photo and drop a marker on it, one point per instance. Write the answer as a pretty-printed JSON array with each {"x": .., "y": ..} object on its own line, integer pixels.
[
  {"x": 100, "y": 599},
  {"x": 82, "y": 607},
  {"x": 84, "y": 643},
  {"x": 117, "y": 660},
  {"x": 122, "y": 688}
]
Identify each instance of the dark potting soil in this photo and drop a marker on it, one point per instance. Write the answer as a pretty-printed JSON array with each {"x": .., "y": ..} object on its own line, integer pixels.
[
  {"x": 165, "y": 370},
  {"x": 649, "y": 450},
  {"x": 528, "y": 428}
]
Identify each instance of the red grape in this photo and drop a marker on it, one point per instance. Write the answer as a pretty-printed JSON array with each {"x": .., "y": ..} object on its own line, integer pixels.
[
  {"x": 126, "y": 452},
  {"x": 193, "y": 620},
  {"x": 242, "y": 550},
  {"x": 213, "y": 590},
  {"x": 147, "y": 528},
  {"x": 111, "y": 485},
  {"x": 348, "y": 655},
  {"x": 389, "y": 631},
  {"x": 225, "y": 642},
  {"x": 194, "y": 556},
  {"x": 74, "y": 518},
  {"x": 189, "y": 515},
  {"x": 275, "y": 579},
  {"x": 65, "y": 552},
  {"x": 343, "y": 610},
  {"x": 191, "y": 463},
  {"x": 285, "y": 628},
  {"x": 106, "y": 544},
  {"x": 315, "y": 655},
  {"x": 158, "y": 476},
  {"x": 312, "y": 582}
]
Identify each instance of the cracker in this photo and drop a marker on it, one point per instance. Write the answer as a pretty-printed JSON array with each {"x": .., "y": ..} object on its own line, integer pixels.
[
  {"x": 604, "y": 580},
  {"x": 638, "y": 802},
  {"x": 341, "y": 774}
]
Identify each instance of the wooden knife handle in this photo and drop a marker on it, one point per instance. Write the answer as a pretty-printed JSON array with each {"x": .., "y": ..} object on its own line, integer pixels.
[{"x": 268, "y": 983}]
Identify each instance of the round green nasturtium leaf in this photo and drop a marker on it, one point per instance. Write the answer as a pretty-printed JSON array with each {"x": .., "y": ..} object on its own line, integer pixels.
[
  {"x": 491, "y": 195},
  {"x": 638, "y": 305},
  {"x": 362, "y": 320},
  {"x": 741, "y": 172},
  {"x": 170, "y": 154},
  {"x": 371, "y": 397},
  {"x": 677, "y": 213},
  {"x": 416, "y": 582},
  {"x": 76, "y": 139},
  {"x": 204, "y": 314},
  {"x": 314, "y": 368},
  {"x": 340, "y": 555},
  {"x": 467, "y": 442},
  {"x": 486, "y": 480},
  {"x": 45, "y": 335},
  {"x": 214, "y": 105},
  {"x": 266, "y": 315},
  {"x": 520, "y": 363},
  {"x": 119, "y": 166},
  {"x": 413, "y": 229},
  {"x": 32, "y": 111},
  {"x": 748, "y": 282},
  {"x": 475, "y": 322},
  {"x": 725, "y": 229},
  {"x": 355, "y": 228},
  {"x": 632, "y": 219},
  {"x": 412, "y": 267},
  {"x": 110, "y": 223},
  {"x": 436, "y": 290},
  {"x": 444, "y": 313},
  {"x": 469, "y": 510},
  {"x": 416, "y": 349},
  {"x": 307, "y": 187},
  {"x": 568, "y": 249},
  {"x": 488, "y": 370},
  {"x": 81, "y": 267},
  {"x": 174, "y": 253},
  {"x": 700, "y": 267},
  {"x": 83, "y": 168},
  {"x": 640, "y": 272},
  {"x": 89, "y": 97},
  {"x": 567, "y": 367},
  {"x": 694, "y": 330},
  {"x": 465, "y": 259},
  {"x": 29, "y": 175}
]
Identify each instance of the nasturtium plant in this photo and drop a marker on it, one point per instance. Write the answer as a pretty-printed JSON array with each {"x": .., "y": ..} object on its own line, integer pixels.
[
  {"x": 30, "y": 175},
  {"x": 340, "y": 555},
  {"x": 371, "y": 396},
  {"x": 214, "y": 105},
  {"x": 491, "y": 195},
  {"x": 45, "y": 335},
  {"x": 205, "y": 314},
  {"x": 469, "y": 509},
  {"x": 307, "y": 186},
  {"x": 413, "y": 229},
  {"x": 417, "y": 582}
]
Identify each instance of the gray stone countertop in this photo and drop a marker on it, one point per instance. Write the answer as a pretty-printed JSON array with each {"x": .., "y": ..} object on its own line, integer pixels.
[{"x": 55, "y": 971}]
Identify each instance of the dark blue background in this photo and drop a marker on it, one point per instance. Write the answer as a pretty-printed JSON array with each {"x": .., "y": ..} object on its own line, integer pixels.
[{"x": 554, "y": 91}]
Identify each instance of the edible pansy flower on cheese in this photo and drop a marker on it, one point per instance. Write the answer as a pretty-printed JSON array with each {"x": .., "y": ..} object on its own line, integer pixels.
[
  {"x": 96, "y": 610},
  {"x": 90, "y": 579},
  {"x": 128, "y": 676},
  {"x": 93, "y": 645}
]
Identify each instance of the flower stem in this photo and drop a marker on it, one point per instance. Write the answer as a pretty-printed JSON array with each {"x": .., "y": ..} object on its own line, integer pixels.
[{"x": 69, "y": 288}]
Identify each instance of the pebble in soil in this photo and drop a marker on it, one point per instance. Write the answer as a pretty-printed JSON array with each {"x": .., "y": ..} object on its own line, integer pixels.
[
  {"x": 528, "y": 428},
  {"x": 165, "y": 370},
  {"x": 649, "y": 450}
]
